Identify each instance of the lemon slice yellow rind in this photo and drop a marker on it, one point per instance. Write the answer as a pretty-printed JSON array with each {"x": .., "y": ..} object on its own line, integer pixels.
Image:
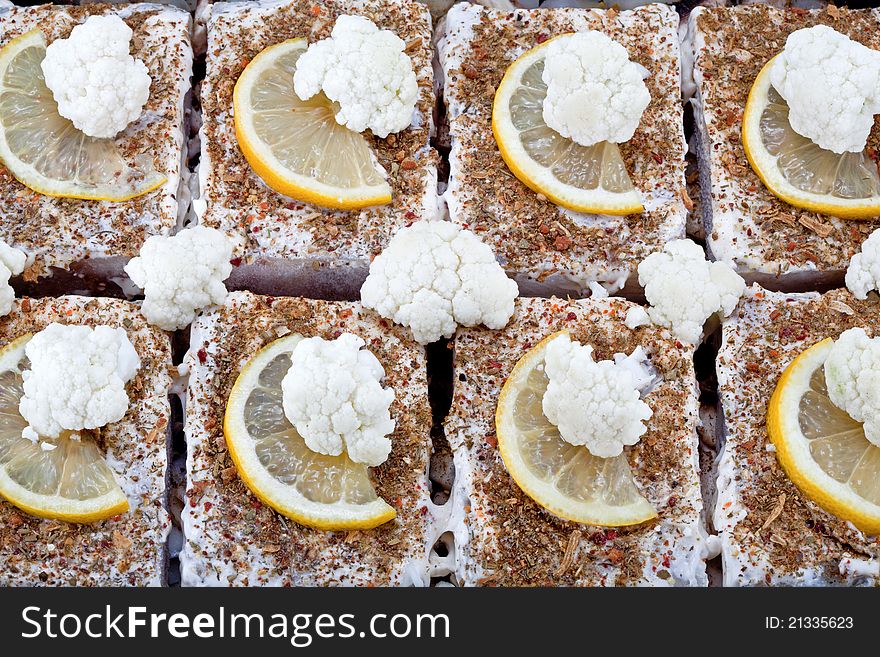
[
  {"x": 545, "y": 492},
  {"x": 27, "y": 174},
  {"x": 537, "y": 177},
  {"x": 764, "y": 164},
  {"x": 793, "y": 449},
  {"x": 280, "y": 177},
  {"x": 54, "y": 507},
  {"x": 285, "y": 499}
]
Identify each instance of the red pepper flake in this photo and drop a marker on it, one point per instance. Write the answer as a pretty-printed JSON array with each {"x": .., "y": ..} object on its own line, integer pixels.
[
  {"x": 203, "y": 356},
  {"x": 256, "y": 504},
  {"x": 657, "y": 158},
  {"x": 610, "y": 534},
  {"x": 752, "y": 367},
  {"x": 345, "y": 313},
  {"x": 235, "y": 262},
  {"x": 316, "y": 10},
  {"x": 208, "y": 506},
  {"x": 599, "y": 538},
  {"x": 776, "y": 314},
  {"x": 270, "y": 301},
  {"x": 666, "y": 562},
  {"x": 562, "y": 243},
  {"x": 408, "y": 164},
  {"x": 423, "y": 511},
  {"x": 411, "y": 215},
  {"x": 492, "y": 441},
  {"x": 791, "y": 246},
  {"x": 494, "y": 364},
  {"x": 672, "y": 501},
  {"x": 571, "y": 317},
  {"x": 774, "y": 353},
  {"x": 542, "y": 37}
]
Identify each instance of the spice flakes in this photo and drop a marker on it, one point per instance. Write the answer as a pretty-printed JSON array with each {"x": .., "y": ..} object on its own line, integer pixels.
[
  {"x": 771, "y": 533},
  {"x": 128, "y": 549},
  {"x": 60, "y": 232},
  {"x": 232, "y": 538},
  {"x": 515, "y": 542}
]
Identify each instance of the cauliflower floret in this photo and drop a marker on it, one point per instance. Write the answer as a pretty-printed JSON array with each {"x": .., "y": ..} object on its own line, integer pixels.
[
  {"x": 852, "y": 374},
  {"x": 863, "y": 273},
  {"x": 333, "y": 395},
  {"x": 181, "y": 274},
  {"x": 433, "y": 275},
  {"x": 594, "y": 92},
  {"x": 366, "y": 71},
  {"x": 832, "y": 86},
  {"x": 97, "y": 84},
  {"x": 12, "y": 263},
  {"x": 595, "y": 404},
  {"x": 684, "y": 290},
  {"x": 76, "y": 379}
]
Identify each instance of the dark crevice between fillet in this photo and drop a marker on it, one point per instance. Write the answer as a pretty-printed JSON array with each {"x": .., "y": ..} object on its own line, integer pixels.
[
  {"x": 709, "y": 432},
  {"x": 441, "y": 471},
  {"x": 175, "y": 491},
  {"x": 81, "y": 278},
  {"x": 176, "y": 472}
]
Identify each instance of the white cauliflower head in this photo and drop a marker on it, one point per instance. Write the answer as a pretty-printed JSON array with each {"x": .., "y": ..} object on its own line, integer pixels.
[
  {"x": 181, "y": 274},
  {"x": 366, "y": 71},
  {"x": 433, "y": 275},
  {"x": 595, "y": 404},
  {"x": 852, "y": 374},
  {"x": 76, "y": 379},
  {"x": 594, "y": 92},
  {"x": 333, "y": 395},
  {"x": 684, "y": 290},
  {"x": 832, "y": 86},
  {"x": 97, "y": 84},
  {"x": 863, "y": 273},
  {"x": 12, "y": 263}
]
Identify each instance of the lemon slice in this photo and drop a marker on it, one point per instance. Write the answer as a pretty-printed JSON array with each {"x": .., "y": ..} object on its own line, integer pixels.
[
  {"x": 582, "y": 178},
  {"x": 44, "y": 151},
  {"x": 71, "y": 482},
  {"x": 316, "y": 490},
  {"x": 797, "y": 171},
  {"x": 296, "y": 146},
  {"x": 565, "y": 479},
  {"x": 821, "y": 448}
]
